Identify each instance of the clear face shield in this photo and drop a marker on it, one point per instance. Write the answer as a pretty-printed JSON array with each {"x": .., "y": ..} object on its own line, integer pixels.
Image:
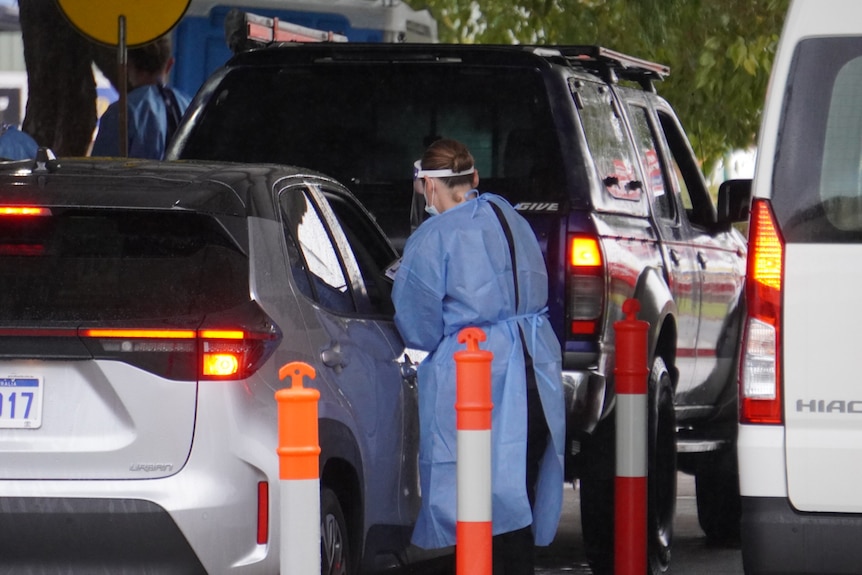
[{"x": 419, "y": 208}]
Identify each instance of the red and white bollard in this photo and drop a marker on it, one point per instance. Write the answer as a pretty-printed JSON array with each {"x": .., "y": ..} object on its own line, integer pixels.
[
  {"x": 298, "y": 469},
  {"x": 630, "y": 506},
  {"x": 473, "y": 405}
]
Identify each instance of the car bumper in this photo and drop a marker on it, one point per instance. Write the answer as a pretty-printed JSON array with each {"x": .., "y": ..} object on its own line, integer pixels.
[
  {"x": 205, "y": 514},
  {"x": 585, "y": 400},
  {"x": 78, "y": 535},
  {"x": 777, "y": 539}
]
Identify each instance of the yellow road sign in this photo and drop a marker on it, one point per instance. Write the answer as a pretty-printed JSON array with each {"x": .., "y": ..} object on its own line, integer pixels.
[{"x": 146, "y": 20}]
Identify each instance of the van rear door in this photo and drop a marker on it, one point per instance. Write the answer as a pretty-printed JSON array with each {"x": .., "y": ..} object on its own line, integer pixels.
[{"x": 817, "y": 203}]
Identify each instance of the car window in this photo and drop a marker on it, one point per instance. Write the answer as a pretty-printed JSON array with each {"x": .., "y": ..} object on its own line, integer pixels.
[
  {"x": 648, "y": 149},
  {"x": 817, "y": 192},
  {"x": 96, "y": 265},
  {"x": 370, "y": 248},
  {"x": 366, "y": 130},
  {"x": 375, "y": 130},
  {"x": 314, "y": 262},
  {"x": 611, "y": 149},
  {"x": 686, "y": 175}
]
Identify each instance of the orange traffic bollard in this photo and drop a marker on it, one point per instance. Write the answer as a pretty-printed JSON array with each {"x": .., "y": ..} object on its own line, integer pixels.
[
  {"x": 630, "y": 506},
  {"x": 473, "y": 405},
  {"x": 298, "y": 469}
]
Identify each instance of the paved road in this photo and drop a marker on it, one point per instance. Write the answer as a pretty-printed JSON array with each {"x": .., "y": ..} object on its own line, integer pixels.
[{"x": 691, "y": 554}]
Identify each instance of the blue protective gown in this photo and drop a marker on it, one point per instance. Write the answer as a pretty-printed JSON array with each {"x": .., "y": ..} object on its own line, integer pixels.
[
  {"x": 16, "y": 145},
  {"x": 457, "y": 272},
  {"x": 147, "y": 124}
]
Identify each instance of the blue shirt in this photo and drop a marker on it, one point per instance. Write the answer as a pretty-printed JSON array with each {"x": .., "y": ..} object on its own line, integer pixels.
[
  {"x": 147, "y": 124},
  {"x": 15, "y": 144}
]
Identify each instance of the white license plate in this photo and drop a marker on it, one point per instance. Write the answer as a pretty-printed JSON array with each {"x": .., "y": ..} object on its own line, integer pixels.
[{"x": 20, "y": 402}]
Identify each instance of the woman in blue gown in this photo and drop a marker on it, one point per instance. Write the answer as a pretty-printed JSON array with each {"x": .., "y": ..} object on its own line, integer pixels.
[{"x": 477, "y": 263}]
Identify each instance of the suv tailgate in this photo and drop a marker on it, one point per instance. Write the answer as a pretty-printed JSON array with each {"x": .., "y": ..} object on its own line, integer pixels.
[{"x": 98, "y": 352}]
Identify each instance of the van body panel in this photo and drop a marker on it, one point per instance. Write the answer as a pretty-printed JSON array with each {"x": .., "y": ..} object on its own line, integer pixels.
[{"x": 799, "y": 466}]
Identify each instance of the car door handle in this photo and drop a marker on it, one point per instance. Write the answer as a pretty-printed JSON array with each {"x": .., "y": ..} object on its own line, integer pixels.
[
  {"x": 702, "y": 259},
  {"x": 674, "y": 256},
  {"x": 408, "y": 371},
  {"x": 331, "y": 357}
]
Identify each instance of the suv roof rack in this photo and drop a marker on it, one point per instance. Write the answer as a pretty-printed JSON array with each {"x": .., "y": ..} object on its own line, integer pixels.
[
  {"x": 614, "y": 65},
  {"x": 245, "y": 31}
]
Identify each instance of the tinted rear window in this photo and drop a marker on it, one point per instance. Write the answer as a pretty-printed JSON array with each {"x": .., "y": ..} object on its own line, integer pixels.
[
  {"x": 366, "y": 126},
  {"x": 817, "y": 186},
  {"x": 101, "y": 265}
]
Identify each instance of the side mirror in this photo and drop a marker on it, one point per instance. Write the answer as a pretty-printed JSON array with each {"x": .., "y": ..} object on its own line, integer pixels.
[{"x": 734, "y": 201}]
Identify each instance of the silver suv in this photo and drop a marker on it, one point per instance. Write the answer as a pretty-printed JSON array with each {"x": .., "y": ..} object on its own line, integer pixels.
[{"x": 146, "y": 309}]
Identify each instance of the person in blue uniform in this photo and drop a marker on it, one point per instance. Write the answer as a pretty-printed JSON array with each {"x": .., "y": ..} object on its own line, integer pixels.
[
  {"x": 15, "y": 144},
  {"x": 477, "y": 263},
  {"x": 154, "y": 108}
]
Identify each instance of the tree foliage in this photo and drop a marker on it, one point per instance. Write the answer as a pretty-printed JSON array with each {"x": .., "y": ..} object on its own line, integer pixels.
[{"x": 720, "y": 53}]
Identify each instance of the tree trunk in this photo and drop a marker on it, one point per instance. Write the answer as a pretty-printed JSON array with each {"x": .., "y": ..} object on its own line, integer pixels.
[{"x": 61, "y": 105}]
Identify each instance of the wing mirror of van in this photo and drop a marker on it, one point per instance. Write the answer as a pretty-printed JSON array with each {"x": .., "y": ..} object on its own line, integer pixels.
[{"x": 734, "y": 200}]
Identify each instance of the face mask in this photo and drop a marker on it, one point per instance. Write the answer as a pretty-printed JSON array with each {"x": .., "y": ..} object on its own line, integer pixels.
[{"x": 429, "y": 206}]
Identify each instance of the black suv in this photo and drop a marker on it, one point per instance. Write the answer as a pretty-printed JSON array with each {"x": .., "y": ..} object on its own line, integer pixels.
[{"x": 578, "y": 140}]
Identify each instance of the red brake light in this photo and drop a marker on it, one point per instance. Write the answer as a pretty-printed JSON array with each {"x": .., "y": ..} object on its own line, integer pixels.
[
  {"x": 223, "y": 333},
  {"x": 760, "y": 365},
  {"x": 586, "y": 286},
  {"x": 140, "y": 333},
  {"x": 262, "y": 512},
  {"x": 24, "y": 211}
]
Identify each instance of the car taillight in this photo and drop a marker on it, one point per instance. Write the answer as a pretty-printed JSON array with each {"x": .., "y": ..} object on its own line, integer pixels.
[
  {"x": 24, "y": 211},
  {"x": 760, "y": 365},
  {"x": 233, "y": 354},
  {"x": 228, "y": 346},
  {"x": 15, "y": 241},
  {"x": 585, "y": 293}
]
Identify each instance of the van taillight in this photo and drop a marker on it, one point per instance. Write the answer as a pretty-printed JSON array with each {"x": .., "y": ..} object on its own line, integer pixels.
[
  {"x": 585, "y": 292},
  {"x": 760, "y": 365}
]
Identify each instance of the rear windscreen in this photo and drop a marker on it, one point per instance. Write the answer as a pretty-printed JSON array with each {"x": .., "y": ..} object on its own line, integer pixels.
[
  {"x": 99, "y": 265},
  {"x": 817, "y": 188},
  {"x": 366, "y": 126}
]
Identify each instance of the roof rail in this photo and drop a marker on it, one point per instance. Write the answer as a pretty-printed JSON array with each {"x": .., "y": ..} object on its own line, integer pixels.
[
  {"x": 614, "y": 65},
  {"x": 245, "y": 31}
]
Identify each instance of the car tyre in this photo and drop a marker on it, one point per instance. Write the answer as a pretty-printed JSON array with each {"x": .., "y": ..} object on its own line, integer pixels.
[
  {"x": 597, "y": 493},
  {"x": 597, "y": 523},
  {"x": 719, "y": 506},
  {"x": 334, "y": 543},
  {"x": 662, "y": 468}
]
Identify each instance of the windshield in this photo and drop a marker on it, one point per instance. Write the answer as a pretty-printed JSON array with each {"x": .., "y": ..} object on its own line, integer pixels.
[{"x": 366, "y": 126}]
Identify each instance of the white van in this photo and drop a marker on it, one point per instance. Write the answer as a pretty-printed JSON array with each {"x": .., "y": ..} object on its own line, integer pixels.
[{"x": 800, "y": 432}]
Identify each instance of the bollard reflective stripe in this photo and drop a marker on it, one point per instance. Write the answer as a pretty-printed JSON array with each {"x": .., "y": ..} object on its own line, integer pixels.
[
  {"x": 473, "y": 406},
  {"x": 299, "y": 459},
  {"x": 630, "y": 489},
  {"x": 474, "y": 465}
]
